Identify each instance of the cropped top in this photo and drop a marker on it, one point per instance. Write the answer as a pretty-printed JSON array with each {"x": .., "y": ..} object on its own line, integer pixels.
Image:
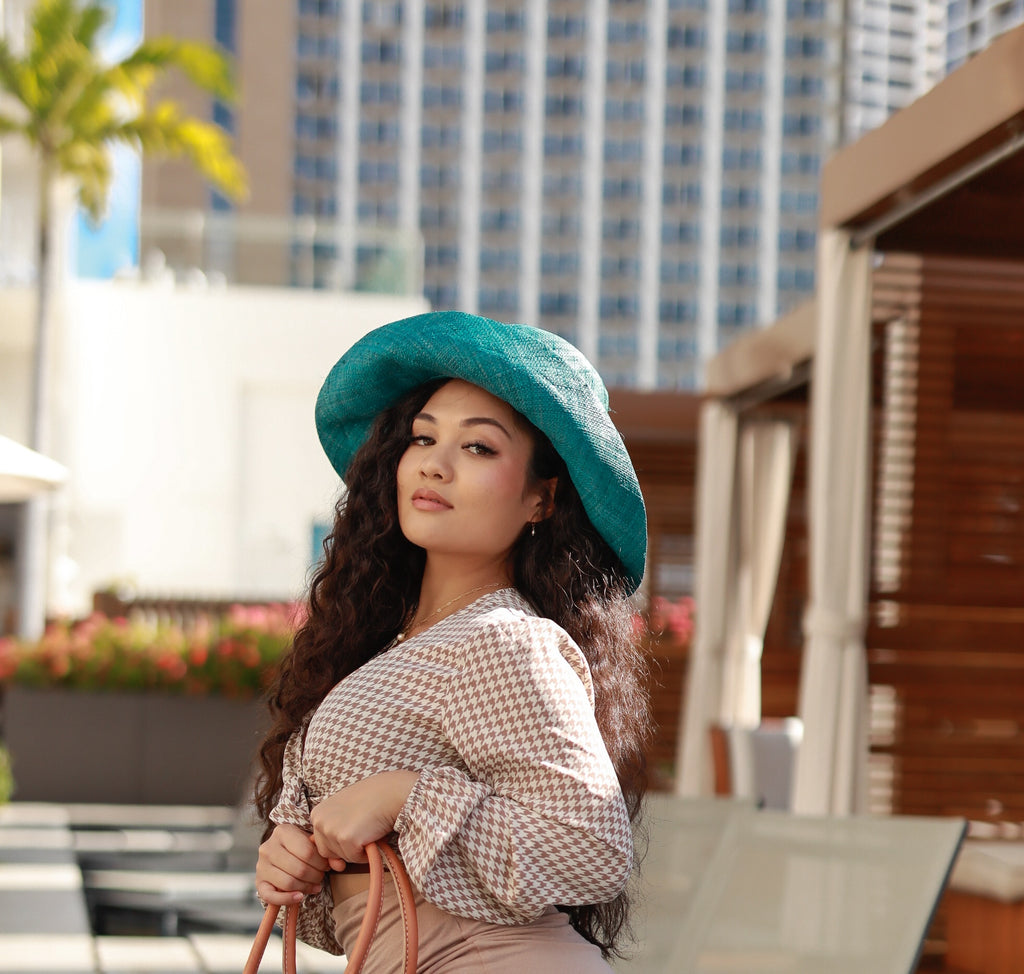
[{"x": 517, "y": 807}]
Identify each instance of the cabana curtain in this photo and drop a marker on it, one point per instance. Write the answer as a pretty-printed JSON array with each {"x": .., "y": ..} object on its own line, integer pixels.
[
  {"x": 714, "y": 557},
  {"x": 744, "y": 476},
  {"x": 831, "y": 768},
  {"x": 766, "y": 457}
]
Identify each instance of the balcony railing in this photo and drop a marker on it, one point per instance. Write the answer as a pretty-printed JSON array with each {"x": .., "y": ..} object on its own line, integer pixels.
[{"x": 282, "y": 251}]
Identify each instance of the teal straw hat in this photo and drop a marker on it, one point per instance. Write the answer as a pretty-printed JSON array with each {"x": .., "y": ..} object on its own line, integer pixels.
[{"x": 539, "y": 374}]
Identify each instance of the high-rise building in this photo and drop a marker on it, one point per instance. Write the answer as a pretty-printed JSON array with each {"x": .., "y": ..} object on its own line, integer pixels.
[
  {"x": 895, "y": 50},
  {"x": 974, "y": 24},
  {"x": 640, "y": 177}
]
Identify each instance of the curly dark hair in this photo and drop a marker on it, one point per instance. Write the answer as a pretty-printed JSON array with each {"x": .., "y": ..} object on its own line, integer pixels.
[{"x": 368, "y": 585}]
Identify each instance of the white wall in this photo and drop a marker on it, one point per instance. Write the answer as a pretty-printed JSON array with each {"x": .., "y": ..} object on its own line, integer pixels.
[{"x": 187, "y": 423}]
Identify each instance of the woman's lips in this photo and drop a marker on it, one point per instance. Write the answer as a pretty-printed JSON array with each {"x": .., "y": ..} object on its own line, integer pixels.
[{"x": 428, "y": 500}]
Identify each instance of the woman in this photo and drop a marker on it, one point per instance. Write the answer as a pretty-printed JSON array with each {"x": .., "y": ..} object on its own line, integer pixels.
[{"x": 467, "y": 681}]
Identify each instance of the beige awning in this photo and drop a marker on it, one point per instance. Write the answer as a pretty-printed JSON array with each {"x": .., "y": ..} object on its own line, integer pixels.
[
  {"x": 767, "y": 358},
  {"x": 943, "y": 175}
]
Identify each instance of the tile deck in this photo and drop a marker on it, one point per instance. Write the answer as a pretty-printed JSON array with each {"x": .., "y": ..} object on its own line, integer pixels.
[{"x": 44, "y": 922}]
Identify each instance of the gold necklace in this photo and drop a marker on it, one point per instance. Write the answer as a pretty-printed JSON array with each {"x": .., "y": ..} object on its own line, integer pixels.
[{"x": 490, "y": 586}]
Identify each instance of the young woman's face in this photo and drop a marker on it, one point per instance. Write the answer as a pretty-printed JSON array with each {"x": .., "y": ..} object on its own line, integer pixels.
[{"x": 463, "y": 482}]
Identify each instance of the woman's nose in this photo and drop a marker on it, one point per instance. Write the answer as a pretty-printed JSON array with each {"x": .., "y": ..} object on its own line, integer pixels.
[{"x": 436, "y": 464}]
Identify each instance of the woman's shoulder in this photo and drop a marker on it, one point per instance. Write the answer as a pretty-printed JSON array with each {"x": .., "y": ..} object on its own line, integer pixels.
[
  {"x": 506, "y": 627},
  {"x": 507, "y": 615}
]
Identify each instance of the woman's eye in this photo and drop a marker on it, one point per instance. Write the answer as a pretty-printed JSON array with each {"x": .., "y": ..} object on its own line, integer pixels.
[
  {"x": 481, "y": 449},
  {"x": 420, "y": 439}
]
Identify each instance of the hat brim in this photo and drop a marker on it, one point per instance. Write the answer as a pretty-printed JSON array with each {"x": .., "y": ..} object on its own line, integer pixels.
[{"x": 539, "y": 374}]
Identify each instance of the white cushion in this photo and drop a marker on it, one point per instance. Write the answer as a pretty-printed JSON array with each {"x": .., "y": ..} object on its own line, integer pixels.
[{"x": 990, "y": 868}]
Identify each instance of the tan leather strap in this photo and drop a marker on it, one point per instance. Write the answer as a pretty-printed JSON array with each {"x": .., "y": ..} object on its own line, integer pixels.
[
  {"x": 291, "y": 920},
  {"x": 377, "y": 853}
]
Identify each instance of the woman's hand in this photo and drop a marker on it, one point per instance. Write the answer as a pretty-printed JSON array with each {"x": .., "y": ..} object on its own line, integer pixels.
[
  {"x": 289, "y": 867},
  {"x": 349, "y": 820}
]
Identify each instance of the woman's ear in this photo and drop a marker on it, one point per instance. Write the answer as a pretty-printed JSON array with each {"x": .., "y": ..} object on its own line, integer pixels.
[{"x": 547, "y": 498}]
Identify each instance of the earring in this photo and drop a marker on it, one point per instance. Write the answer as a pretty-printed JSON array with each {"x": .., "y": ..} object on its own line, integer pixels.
[{"x": 533, "y": 529}]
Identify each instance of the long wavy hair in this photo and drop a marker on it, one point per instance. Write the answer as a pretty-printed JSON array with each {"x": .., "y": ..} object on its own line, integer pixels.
[{"x": 368, "y": 585}]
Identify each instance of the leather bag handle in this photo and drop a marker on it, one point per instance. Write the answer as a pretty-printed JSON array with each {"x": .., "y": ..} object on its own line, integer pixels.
[{"x": 377, "y": 853}]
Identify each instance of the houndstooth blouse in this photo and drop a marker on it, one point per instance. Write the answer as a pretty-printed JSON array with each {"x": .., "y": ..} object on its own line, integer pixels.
[{"x": 517, "y": 806}]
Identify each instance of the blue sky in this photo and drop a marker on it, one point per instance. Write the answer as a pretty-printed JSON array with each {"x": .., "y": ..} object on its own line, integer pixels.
[{"x": 102, "y": 251}]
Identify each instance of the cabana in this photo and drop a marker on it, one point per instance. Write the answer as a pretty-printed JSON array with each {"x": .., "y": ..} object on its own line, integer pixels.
[{"x": 907, "y": 375}]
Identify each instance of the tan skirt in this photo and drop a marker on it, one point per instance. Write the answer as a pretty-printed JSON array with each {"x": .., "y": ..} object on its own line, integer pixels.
[{"x": 453, "y": 945}]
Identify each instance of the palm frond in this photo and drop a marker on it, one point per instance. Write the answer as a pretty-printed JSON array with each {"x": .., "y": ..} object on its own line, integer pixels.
[
  {"x": 14, "y": 77},
  {"x": 9, "y": 75},
  {"x": 165, "y": 131},
  {"x": 62, "y": 56},
  {"x": 75, "y": 105},
  {"x": 205, "y": 66},
  {"x": 74, "y": 69},
  {"x": 50, "y": 21},
  {"x": 92, "y": 18},
  {"x": 131, "y": 81},
  {"x": 95, "y": 108},
  {"x": 89, "y": 164}
]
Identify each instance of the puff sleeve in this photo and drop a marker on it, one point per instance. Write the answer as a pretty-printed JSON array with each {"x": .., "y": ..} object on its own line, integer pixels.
[{"x": 536, "y": 818}]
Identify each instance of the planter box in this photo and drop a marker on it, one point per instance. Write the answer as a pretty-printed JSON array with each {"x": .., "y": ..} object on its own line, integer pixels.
[{"x": 131, "y": 748}]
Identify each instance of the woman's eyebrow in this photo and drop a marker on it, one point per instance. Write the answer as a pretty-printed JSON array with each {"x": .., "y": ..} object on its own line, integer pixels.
[
  {"x": 469, "y": 421},
  {"x": 485, "y": 421}
]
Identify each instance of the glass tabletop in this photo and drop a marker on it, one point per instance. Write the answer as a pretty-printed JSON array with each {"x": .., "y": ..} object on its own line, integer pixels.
[{"x": 725, "y": 887}]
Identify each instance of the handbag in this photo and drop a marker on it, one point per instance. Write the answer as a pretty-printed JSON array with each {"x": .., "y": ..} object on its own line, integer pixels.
[{"x": 377, "y": 853}]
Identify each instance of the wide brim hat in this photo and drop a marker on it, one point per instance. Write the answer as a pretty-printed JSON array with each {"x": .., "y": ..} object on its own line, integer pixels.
[{"x": 539, "y": 374}]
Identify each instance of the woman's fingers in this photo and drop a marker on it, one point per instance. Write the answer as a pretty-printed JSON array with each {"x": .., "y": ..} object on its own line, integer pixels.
[
  {"x": 289, "y": 862},
  {"x": 340, "y": 848},
  {"x": 347, "y": 821},
  {"x": 271, "y": 894},
  {"x": 300, "y": 844},
  {"x": 290, "y": 879}
]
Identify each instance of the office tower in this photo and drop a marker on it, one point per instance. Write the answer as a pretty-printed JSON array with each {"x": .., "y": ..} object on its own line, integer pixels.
[
  {"x": 895, "y": 50},
  {"x": 640, "y": 177},
  {"x": 973, "y": 24}
]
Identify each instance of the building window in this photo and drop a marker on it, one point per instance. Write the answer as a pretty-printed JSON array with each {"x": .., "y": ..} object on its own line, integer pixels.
[
  {"x": 804, "y": 46},
  {"x": 503, "y": 100},
  {"x": 443, "y": 15},
  {"x": 563, "y": 105},
  {"x": 501, "y": 21},
  {"x": 502, "y": 61},
  {"x": 677, "y": 311},
  {"x": 744, "y": 41},
  {"x": 563, "y": 145},
  {"x": 684, "y": 115},
  {"x": 566, "y": 66},
  {"x": 685, "y": 76},
  {"x": 690, "y": 37},
  {"x": 558, "y": 303}
]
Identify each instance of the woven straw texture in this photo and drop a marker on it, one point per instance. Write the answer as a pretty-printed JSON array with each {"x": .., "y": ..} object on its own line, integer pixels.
[{"x": 539, "y": 374}]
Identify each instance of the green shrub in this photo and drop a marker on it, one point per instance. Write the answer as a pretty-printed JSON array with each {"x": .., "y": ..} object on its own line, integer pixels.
[{"x": 6, "y": 778}]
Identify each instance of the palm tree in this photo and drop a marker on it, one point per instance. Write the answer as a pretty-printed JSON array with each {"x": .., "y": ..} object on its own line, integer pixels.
[{"x": 71, "y": 107}]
